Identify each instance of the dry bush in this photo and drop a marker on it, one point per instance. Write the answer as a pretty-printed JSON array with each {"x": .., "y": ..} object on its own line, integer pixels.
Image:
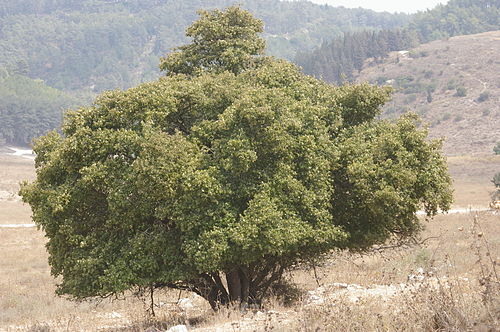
[{"x": 443, "y": 301}]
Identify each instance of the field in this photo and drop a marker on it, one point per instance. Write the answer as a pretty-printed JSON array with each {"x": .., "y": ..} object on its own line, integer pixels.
[{"x": 448, "y": 281}]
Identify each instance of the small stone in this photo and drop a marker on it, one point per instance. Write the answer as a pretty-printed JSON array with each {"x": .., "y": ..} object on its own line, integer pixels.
[
  {"x": 185, "y": 304},
  {"x": 260, "y": 315},
  {"x": 315, "y": 299},
  {"x": 178, "y": 328},
  {"x": 114, "y": 315},
  {"x": 341, "y": 285}
]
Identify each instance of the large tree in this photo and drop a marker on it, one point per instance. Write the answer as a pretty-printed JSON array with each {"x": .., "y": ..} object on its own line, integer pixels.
[{"x": 233, "y": 165}]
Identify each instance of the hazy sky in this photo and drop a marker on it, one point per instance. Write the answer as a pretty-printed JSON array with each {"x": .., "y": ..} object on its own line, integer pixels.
[{"x": 407, "y": 6}]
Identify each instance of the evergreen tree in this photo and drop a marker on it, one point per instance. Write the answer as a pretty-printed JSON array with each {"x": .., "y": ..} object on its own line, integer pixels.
[{"x": 226, "y": 169}]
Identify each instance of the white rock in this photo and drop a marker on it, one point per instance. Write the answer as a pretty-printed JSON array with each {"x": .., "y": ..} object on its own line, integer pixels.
[
  {"x": 185, "y": 303},
  {"x": 260, "y": 315},
  {"x": 354, "y": 287},
  {"x": 340, "y": 285},
  {"x": 412, "y": 277},
  {"x": 315, "y": 299},
  {"x": 113, "y": 315},
  {"x": 178, "y": 328}
]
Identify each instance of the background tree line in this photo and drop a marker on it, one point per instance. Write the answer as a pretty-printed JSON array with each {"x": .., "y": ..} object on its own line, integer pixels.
[
  {"x": 105, "y": 44},
  {"x": 29, "y": 108},
  {"x": 338, "y": 59},
  {"x": 85, "y": 47}
]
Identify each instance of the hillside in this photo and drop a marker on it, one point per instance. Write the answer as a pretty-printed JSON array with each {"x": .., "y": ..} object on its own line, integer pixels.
[
  {"x": 81, "y": 48},
  {"x": 101, "y": 44},
  {"x": 453, "y": 84},
  {"x": 30, "y": 108},
  {"x": 337, "y": 60}
]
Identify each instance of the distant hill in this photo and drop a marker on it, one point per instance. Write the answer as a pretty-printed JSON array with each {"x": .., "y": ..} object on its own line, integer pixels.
[
  {"x": 82, "y": 47},
  {"x": 338, "y": 59},
  {"x": 29, "y": 108},
  {"x": 107, "y": 44},
  {"x": 452, "y": 83}
]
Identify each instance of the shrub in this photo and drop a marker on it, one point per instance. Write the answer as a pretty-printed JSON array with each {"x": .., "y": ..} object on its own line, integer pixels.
[
  {"x": 451, "y": 85},
  {"x": 461, "y": 92},
  {"x": 381, "y": 80},
  {"x": 496, "y": 149},
  {"x": 496, "y": 180},
  {"x": 483, "y": 97}
]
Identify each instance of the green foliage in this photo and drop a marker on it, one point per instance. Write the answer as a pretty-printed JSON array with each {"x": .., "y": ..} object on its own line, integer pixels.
[
  {"x": 381, "y": 80},
  {"x": 178, "y": 182},
  {"x": 340, "y": 57},
  {"x": 496, "y": 180},
  {"x": 483, "y": 96},
  {"x": 418, "y": 54},
  {"x": 429, "y": 96},
  {"x": 343, "y": 55},
  {"x": 100, "y": 44},
  {"x": 451, "y": 85},
  {"x": 457, "y": 17},
  {"x": 495, "y": 195},
  {"x": 496, "y": 149},
  {"x": 461, "y": 92},
  {"x": 409, "y": 85},
  {"x": 222, "y": 41}
]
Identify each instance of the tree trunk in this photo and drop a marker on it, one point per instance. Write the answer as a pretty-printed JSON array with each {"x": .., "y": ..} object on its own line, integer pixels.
[
  {"x": 234, "y": 285},
  {"x": 246, "y": 285}
]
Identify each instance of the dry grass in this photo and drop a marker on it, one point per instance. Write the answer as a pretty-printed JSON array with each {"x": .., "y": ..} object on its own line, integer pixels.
[
  {"x": 451, "y": 251},
  {"x": 472, "y": 179},
  {"x": 27, "y": 289},
  {"x": 13, "y": 170},
  {"x": 462, "y": 294}
]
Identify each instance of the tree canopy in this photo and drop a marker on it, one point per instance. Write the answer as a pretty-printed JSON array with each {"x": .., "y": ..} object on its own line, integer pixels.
[
  {"x": 222, "y": 41},
  {"x": 236, "y": 168}
]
